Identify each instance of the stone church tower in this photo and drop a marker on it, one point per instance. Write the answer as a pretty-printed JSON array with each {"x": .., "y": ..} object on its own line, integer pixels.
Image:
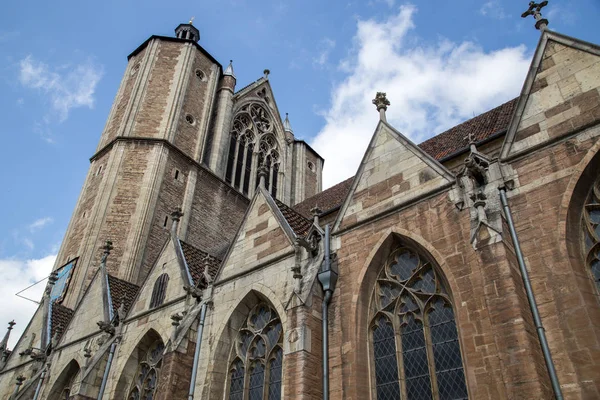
[
  {"x": 203, "y": 260},
  {"x": 178, "y": 135}
]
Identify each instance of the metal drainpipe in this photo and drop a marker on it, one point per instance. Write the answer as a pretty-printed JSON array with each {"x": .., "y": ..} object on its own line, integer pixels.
[
  {"x": 39, "y": 385},
  {"x": 530, "y": 296},
  {"x": 107, "y": 370},
  {"x": 197, "y": 351},
  {"x": 328, "y": 278}
]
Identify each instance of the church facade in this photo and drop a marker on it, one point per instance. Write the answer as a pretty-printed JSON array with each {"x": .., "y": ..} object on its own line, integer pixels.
[{"x": 204, "y": 260}]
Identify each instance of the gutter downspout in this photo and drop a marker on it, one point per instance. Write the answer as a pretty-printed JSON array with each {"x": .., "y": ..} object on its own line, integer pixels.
[
  {"x": 107, "y": 370},
  {"x": 39, "y": 385},
  {"x": 197, "y": 351},
  {"x": 327, "y": 278},
  {"x": 531, "y": 298}
]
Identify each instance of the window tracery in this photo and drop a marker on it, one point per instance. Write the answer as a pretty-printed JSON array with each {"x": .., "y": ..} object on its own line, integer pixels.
[
  {"x": 252, "y": 144},
  {"x": 591, "y": 232},
  {"x": 148, "y": 371},
  {"x": 415, "y": 345},
  {"x": 255, "y": 373}
]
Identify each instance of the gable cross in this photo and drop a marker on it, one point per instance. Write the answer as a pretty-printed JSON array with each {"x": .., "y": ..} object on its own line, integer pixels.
[{"x": 535, "y": 10}]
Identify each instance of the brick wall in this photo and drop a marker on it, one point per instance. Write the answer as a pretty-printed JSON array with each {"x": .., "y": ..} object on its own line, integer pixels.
[
  {"x": 151, "y": 114},
  {"x": 196, "y": 95},
  {"x": 217, "y": 212}
]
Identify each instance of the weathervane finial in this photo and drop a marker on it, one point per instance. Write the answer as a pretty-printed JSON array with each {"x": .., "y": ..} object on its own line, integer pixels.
[
  {"x": 192, "y": 21},
  {"x": 535, "y": 10}
]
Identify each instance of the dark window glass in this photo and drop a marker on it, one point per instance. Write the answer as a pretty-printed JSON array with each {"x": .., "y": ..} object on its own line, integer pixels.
[
  {"x": 386, "y": 364},
  {"x": 230, "y": 158},
  {"x": 257, "y": 381},
  {"x": 414, "y": 354},
  {"x": 275, "y": 177},
  {"x": 258, "y": 344},
  {"x": 236, "y": 390},
  {"x": 248, "y": 171},
  {"x": 159, "y": 291},
  {"x": 591, "y": 232},
  {"x": 410, "y": 287},
  {"x": 240, "y": 162},
  {"x": 275, "y": 374}
]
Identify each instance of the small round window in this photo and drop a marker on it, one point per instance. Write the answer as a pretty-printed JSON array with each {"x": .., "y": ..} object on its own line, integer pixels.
[
  {"x": 189, "y": 119},
  {"x": 311, "y": 166},
  {"x": 199, "y": 74}
]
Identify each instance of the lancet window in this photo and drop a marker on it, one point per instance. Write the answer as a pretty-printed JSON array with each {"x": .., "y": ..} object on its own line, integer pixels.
[
  {"x": 252, "y": 143},
  {"x": 159, "y": 291},
  {"x": 591, "y": 231},
  {"x": 415, "y": 348},
  {"x": 255, "y": 372},
  {"x": 146, "y": 378}
]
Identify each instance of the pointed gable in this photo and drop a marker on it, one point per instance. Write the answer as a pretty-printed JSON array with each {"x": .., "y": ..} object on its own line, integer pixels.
[
  {"x": 560, "y": 94},
  {"x": 394, "y": 171},
  {"x": 167, "y": 263},
  {"x": 264, "y": 235},
  {"x": 88, "y": 312}
]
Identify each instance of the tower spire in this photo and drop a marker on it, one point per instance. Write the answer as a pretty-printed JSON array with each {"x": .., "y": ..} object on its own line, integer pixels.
[
  {"x": 286, "y": 124},
  {"x": 229, "y": 69}
]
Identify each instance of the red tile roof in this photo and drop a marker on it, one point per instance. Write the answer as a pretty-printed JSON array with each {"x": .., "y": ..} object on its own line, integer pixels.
[
  {"x": 326, "y": 200},
  {"x": 299, "y": 224},
  {"x": 59, "y": 319},
  {"x": 196, "y": 259},
  {"x": 121, "y": 292},
  {"x": 445, "y": 144},
  {"x": 481, "y": 127}
]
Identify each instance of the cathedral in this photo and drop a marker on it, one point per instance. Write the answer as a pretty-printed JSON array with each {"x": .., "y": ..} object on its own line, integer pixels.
[{"x": 204, "y": 260}]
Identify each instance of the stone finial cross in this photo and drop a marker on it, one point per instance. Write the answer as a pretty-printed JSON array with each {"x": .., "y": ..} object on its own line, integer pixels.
[
  {"x": 11, "y": 324},
  {"x": 381, "y": 102},
  {"x": 535, "y": 10}
]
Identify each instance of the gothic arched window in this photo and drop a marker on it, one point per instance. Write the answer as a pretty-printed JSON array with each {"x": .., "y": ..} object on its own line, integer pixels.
[
  {"x": 159, "y": 291},
  {"x": 252, "y": 143},
  {"x": 64, "y": 386},
  {"x": 591, "y": 231},
  {"x": 416, "y": 353},
  {"x": 255, "y": 372},
  {"x": 148, "y": 371}
]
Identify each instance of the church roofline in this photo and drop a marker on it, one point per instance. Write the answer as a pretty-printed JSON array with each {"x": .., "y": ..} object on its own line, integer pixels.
[
  {"x": 174, "y": 39},
  {"x": 310, "y": 148}
]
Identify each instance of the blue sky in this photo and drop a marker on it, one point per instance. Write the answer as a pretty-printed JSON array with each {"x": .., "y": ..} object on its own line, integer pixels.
[{"x": 441, "y": 62}]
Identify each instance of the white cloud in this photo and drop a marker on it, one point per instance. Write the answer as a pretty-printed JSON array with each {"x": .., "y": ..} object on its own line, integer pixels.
[
  {"x": 431, "y": 88},
  {"x": 325, "y": 47},
  {"x": 493, "y": 9},
  {"x": 17, "y": 275},
  {"x": 39, "y": 224},
  {"x": 66, "y": 88}
]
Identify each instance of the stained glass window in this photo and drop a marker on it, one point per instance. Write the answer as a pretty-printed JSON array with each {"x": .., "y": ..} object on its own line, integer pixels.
[
  {"x": 591, "y": 231},
  {"x": 416, "y": 351},
  {"x": 255, "y": 373},
  {"x": 146, "y": 378},
  {"x": 252, "y": 144}
]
